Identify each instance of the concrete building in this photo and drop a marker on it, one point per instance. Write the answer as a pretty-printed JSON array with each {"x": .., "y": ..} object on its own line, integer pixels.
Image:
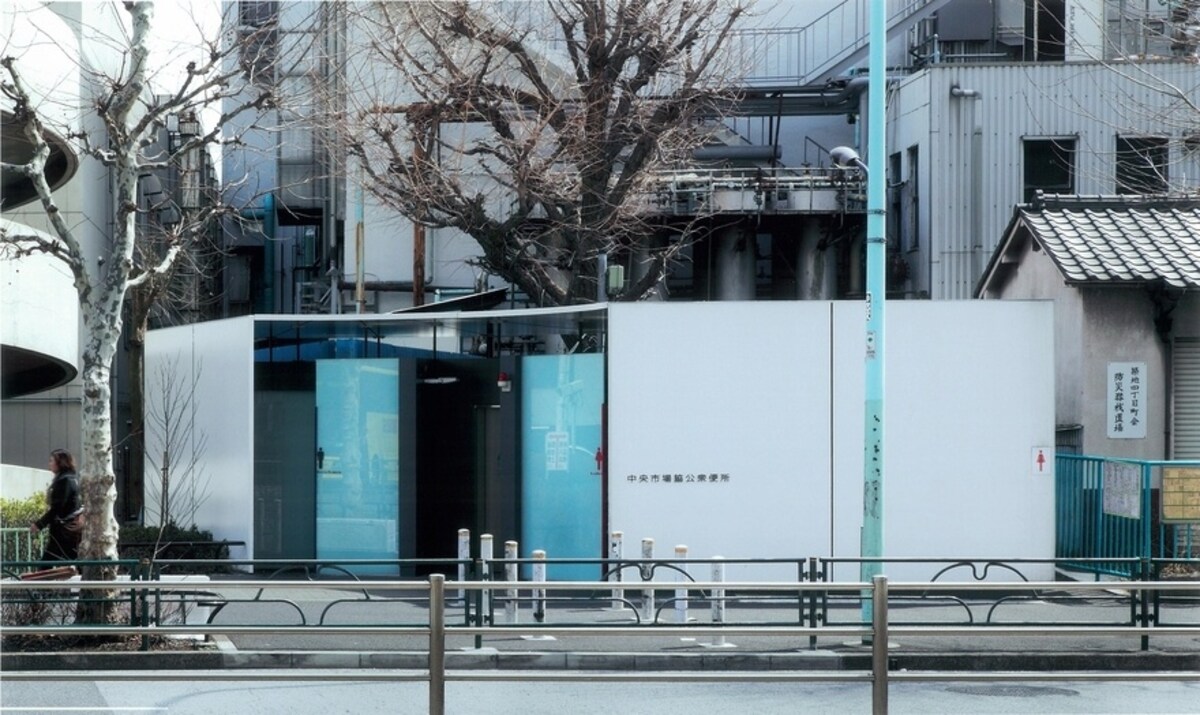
[
  {"x": 60, "y": 50},
  {"x": 1121, "y": 272}
]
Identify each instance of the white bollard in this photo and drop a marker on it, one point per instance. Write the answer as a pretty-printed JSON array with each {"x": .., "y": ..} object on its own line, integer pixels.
[
  {"x": 538, "y": 594},
  {"x": 464, "y": 555},
  {"x": 718, "y": 605},
  {"x": 681, "y": 594},
  {"x": 647, "y": 594},
  {"x": 487, "y": 554},
  {"x": 616, "y": 553},
  {"x": 511, "y": 574},
  {"x": 511, "y": 609}
]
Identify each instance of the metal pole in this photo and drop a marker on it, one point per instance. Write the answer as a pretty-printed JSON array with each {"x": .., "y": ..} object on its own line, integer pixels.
[
  {"x": 539, "y": 595},
  {"x": 437, "y": 644},
  {"x": 879, "y": 647},
  {"x": 872, "y": 526}
]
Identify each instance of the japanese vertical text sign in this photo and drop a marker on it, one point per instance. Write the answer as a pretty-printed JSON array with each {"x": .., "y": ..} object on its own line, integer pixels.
[{"x": 1126, "y": 400}]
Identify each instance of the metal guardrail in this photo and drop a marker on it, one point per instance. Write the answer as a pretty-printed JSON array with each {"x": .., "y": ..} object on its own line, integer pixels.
[{"x": 436, "y": 629}]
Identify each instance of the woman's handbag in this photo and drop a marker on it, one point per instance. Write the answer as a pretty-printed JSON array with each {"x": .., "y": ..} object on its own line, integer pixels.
[{"x": 73, "y": 524}]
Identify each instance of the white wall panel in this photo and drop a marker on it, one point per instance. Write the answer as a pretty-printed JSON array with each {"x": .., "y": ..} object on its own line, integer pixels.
[
  {"x": 969, "y": 393},
  {"x": 217, "y": 363},
  {"x": 760, "y": 391},
  {"x": 727, "y": 388}
]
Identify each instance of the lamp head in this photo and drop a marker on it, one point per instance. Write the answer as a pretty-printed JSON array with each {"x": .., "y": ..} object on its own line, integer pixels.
[{"x": 844, "y": 156}]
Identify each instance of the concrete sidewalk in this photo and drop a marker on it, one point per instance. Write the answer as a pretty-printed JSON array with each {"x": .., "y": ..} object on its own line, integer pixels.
[{"x": 520, "y": 646}]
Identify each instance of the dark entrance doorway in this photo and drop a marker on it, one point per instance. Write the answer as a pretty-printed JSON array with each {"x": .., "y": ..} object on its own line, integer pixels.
[{"x": 465, "y": 475}]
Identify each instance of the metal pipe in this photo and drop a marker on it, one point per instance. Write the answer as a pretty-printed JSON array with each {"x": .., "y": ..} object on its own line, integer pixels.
[
  {"x": 873, "y": 426},
  {"x": 437, "y": 644},
  {"x": 879, "y": 647}
]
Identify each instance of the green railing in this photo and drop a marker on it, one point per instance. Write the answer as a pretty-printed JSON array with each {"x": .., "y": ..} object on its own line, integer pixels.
[
  {"x": 19, "y": 544},
  {"x": 1109, "y": 509}
]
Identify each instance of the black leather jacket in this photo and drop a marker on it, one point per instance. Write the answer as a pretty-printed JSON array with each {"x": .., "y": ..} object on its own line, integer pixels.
[{"x": 65, "y": 499}]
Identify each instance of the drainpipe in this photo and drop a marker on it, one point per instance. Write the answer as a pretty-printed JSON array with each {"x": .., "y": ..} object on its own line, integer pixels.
[{"x": 977, "y": 258}]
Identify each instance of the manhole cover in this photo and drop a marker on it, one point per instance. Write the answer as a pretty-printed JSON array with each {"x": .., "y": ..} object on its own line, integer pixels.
[{"x": 1010, "y": 691}]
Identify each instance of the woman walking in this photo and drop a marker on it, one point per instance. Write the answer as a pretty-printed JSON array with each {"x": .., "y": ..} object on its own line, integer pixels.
[{"x": 64, "y": 515}]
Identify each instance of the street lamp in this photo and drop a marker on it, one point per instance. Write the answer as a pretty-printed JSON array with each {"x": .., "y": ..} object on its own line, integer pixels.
[
  {"x": 871, "y": 542},
  {"x": 845, "y": 156}
]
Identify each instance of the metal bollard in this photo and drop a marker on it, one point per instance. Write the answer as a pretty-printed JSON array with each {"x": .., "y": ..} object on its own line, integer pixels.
[
  {"x": 718, "y": 605},
  {"x": 647, "y": 575},
  {"x": 437, "y": 645},
  {"x": 616, "y": 553},
  {"x": 511, "y": 609},
  {"x": 879, "y": 645},
  {"x": 464, "y": 556},
  {"x": 539, "y": 594},
  {"x": 681, "y": 594}
]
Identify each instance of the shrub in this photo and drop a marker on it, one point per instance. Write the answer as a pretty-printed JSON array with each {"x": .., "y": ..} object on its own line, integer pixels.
[
  {"x": 174, "y": 542},
  {"x": 21, "y": 513}
]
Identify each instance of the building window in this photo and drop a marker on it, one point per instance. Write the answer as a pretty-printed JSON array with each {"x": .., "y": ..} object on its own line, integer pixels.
[
  {"x": 1141, "y": 165},
  {"x": 258, "y": 40},
  {"x": 1049, "y": 166}
]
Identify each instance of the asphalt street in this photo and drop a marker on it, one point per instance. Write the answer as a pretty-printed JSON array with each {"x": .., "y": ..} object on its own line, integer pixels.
[{"x": 584, "y": 698}]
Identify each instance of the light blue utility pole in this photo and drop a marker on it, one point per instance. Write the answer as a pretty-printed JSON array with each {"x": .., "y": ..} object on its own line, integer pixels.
[{"x": 872, "y": 524}]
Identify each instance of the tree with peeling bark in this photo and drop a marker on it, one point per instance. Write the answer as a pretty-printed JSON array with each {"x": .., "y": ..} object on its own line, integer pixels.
[
  {"x": 119, "y": 124},
  {"x": 537, "y": 129}
]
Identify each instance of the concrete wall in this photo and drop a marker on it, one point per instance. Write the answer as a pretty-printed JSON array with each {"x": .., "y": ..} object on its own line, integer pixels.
[
  {"x": 1095, "y": 326},
  {"x": 1118, "y": 326},
  {"x": 771, "y": 395}
]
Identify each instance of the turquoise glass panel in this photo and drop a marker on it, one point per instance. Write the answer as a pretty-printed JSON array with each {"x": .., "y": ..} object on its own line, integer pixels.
[
  {"x": 357, "y": 461},
  {"x": 562, "y": 398}
]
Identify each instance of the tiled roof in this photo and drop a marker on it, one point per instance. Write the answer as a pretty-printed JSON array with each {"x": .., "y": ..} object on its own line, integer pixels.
[{"x": 1119, "y": 240}]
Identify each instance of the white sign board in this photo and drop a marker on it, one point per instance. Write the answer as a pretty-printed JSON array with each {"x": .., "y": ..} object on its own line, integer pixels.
[
  {"x": 558, "y": 446},
  {"x": 1126, "y": 400},
  {"x": 1123, "y": 490}
]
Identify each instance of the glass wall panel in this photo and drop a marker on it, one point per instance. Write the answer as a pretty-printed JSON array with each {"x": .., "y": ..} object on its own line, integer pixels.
[
  {"x": 562, "y": 398},
  {"x": 357, "y": 461}
]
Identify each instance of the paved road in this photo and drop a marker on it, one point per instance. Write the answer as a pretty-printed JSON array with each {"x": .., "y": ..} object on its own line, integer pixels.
[{"x": 201, "y": 697}]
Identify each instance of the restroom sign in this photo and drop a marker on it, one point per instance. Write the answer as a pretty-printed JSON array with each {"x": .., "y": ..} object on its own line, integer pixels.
[{"x": 1041, "y": 460}]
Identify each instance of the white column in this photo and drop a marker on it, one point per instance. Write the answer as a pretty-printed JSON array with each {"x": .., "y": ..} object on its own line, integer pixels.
[
  {"x": 511, "y": 575},
  {"x": 616, "y": 554},
  {"x": 464, "y": 555},
  {"x": 681, "y": 594},
  {"x": 486, "y": 555}
]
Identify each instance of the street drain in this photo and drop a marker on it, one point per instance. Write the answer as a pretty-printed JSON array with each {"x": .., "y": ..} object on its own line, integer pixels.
[{"x": 1010, "y": 691}]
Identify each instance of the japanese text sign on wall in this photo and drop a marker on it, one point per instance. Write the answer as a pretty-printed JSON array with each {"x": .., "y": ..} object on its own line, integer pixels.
[
  {"x": 1123, "y": 489},
  {"x": 1126, "y": 400}
]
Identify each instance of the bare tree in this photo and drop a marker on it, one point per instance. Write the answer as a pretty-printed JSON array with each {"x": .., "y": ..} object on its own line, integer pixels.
[
  {"x": 536, "y": 128},
  {"x": 120, "y": 123},
  {"x": 175, "y": 447}
]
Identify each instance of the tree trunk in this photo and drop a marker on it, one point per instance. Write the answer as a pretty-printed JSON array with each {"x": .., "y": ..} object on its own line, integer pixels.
[{"x": 98, "y": 481}]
